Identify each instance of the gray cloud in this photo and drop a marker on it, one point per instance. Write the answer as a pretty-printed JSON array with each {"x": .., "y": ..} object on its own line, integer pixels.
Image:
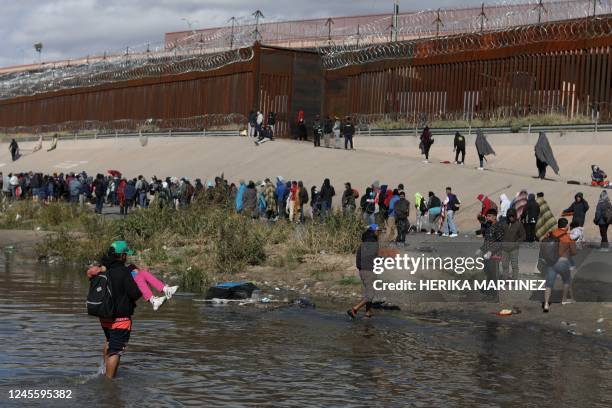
[{"x": 76, "y": 28}]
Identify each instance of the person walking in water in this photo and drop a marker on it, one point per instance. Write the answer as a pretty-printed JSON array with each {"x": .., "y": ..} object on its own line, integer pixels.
[
  {"x": 125, "y": 294},
  {"x": 364, "y": 260}
]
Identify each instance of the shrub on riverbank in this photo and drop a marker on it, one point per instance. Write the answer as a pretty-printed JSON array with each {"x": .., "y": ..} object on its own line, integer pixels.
[{"x": 203, "y": 243}]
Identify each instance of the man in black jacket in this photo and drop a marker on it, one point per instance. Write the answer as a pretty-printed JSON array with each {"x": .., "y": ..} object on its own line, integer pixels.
[
  {"x": 125, "y": 293},
  {"x": 459, "y": 144},
  {"x": 492, "y": 247},
  {"x": 402, "y": 211},
  {"x": 367, "y": 252},
  {"x": 349, "y": 131}
]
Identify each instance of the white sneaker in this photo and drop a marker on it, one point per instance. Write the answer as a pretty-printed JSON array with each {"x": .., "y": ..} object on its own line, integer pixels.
[
  {"x": 454, "y": 235},
  {"x": 445, "y": 235},
  {"x": 157, "y": 301},
  {"x": 425, "y": 161},
  {"x": 428, "y": 233},
  {"x": 462, "y": 163},
  {"x": 480, "y": 168},
  {"x": 568, "y": 302},
  {"x": 169, "y": 291}
]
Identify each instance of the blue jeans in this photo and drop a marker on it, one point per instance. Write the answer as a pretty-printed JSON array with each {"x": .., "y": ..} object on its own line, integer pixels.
[
  {"x": 449, "y": 223},
  {"x": 324, "y": 209},
  {"x": 142, "y": 199},
  {"x": 369, "y": 218},
  {"x": 562, "y": 267}
]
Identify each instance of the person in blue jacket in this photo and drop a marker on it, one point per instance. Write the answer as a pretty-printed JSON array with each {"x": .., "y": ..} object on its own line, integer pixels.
[
  {"x": 281, "y": 192},
  {"x": 240, "y": 195}
]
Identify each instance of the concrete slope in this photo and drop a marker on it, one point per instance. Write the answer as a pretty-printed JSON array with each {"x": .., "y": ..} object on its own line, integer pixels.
[{"x": 238, "y": 158}]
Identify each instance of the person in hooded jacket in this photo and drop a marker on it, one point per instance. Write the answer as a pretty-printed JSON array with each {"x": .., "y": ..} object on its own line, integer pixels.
[
  {"x": 504, "y": 206},
  {"x": 529, "y": 218},
  {"x": 459, "y": 148},
  {"x": 487, "y": 204},
  {"x": 239, "y": 203},
  {"x": 14, "y": 149},
  {"x": 402, "y": 211},
  {"x": 602, "y": 218},
  {"x": 434, "y": 210},
  {"x": 368, "y": 206},
  {"x": 514, "y": 234},
  {"x": 426, "y": 142},
  {"x": 544, "y": 156},
  {"x": 270, "y": 197},
  {"x": 420, "y": 207},
  {"x": 364, "y": 260},
  {"x": 280, "y": 196},
  {"x": 326, "y": 196},
  {"x": 249, "y": 201},
  {"x": 348, "y": 199},
  {"x": 483, "y": 148},
  {"x": 578, "y": 209}
]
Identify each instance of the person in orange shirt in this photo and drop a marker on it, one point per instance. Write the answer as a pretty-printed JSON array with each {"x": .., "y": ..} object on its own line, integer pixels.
[{"x": 567, "y": 249}]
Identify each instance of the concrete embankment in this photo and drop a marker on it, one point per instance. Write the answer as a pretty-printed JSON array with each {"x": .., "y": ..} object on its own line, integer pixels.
[{"x": 391, "y": 160}]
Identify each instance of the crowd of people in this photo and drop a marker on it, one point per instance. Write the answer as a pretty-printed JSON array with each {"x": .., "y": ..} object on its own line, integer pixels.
[{"x": 273, "y": 199}]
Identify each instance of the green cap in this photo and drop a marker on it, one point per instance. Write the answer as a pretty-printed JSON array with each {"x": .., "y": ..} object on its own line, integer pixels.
[{"x": 121, "y": 247}]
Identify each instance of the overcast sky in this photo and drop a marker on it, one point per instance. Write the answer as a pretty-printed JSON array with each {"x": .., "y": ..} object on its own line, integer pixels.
[{"x": 76, "y": 28}]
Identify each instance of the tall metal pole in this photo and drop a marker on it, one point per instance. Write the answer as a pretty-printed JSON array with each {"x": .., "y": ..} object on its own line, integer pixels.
[
  {"x": 394, "y": 23},
  {"x": 233, "y": 20},
  {"x": 257, "y": 14},
  {"x": 438, "y": 22},
  {"x": 483, "y": 17},
  {"x": 329, "y": 24}
]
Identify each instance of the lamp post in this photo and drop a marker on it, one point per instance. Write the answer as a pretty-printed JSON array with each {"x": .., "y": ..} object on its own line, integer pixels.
[{"x": 38, "y": 47}]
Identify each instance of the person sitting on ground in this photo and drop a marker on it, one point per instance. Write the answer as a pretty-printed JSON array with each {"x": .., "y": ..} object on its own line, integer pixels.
[
  {"x": 364, "y": 260},
  {"x": 567, "y": 249},
  {"x": 598, "y": 176}
]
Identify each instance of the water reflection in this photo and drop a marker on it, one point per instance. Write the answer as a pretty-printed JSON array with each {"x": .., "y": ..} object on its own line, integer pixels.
[{"x": 189, "y": 354}]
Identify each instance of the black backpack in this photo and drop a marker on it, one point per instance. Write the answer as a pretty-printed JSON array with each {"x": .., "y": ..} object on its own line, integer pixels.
[
  {"x": 100, "y": 296},
  {"x": 549, "y": 252}
]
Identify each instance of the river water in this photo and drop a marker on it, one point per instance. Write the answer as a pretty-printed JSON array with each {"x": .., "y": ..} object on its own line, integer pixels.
[{"x": 188, "y": 354}]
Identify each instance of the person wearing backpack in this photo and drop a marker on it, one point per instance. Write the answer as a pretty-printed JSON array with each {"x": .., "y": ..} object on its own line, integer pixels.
[
  {"x": 421, "y": 209},
  {"x": 125, "y": 293},
  {"x": 563, "y": 248},
  {"x": 368, "y": 206},
  {"x": 603, "y": 218}
]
